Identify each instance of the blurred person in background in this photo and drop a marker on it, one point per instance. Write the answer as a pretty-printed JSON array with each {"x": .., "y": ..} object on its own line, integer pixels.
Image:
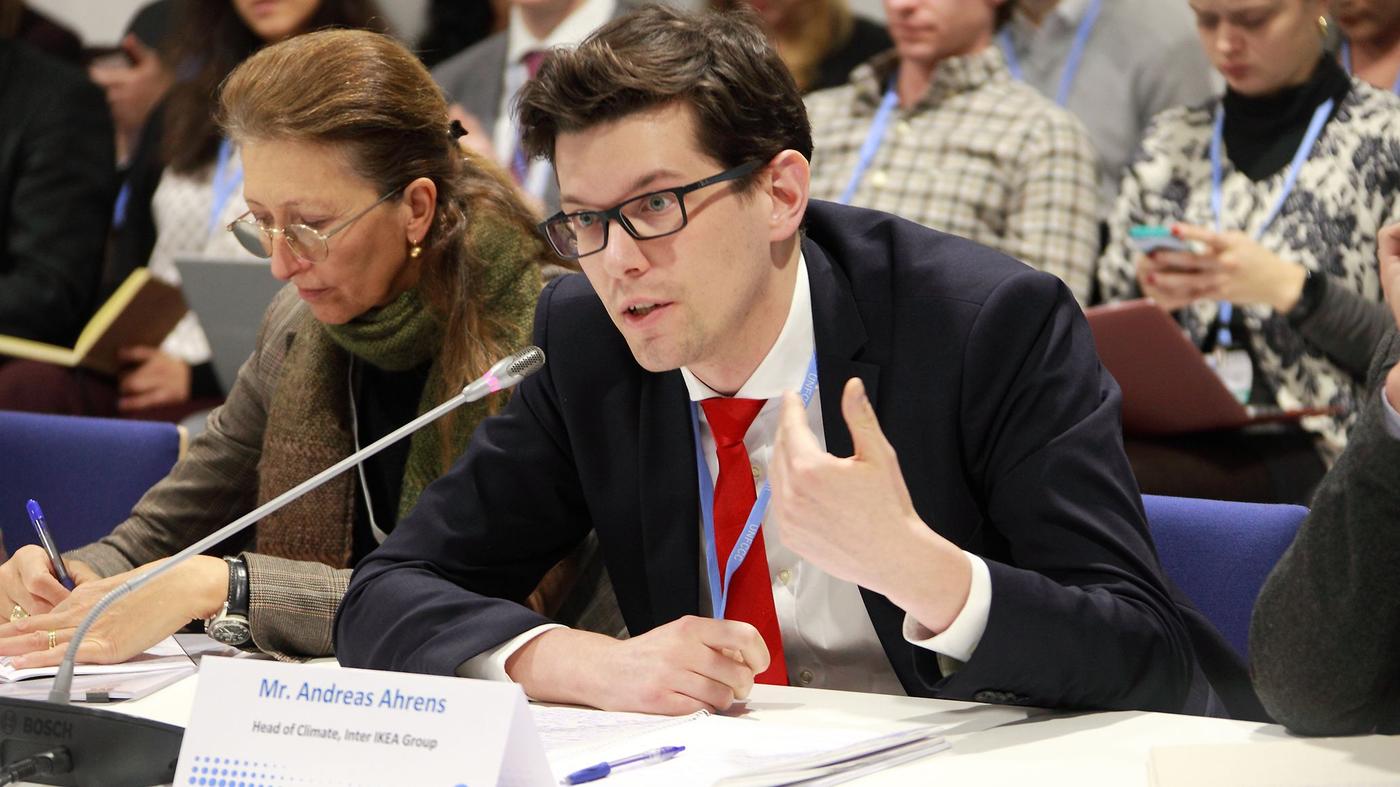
[
  {"x": 1114, "y": 63},
  {"x": 1282, "y": 185},
  {"x": 1370, "y": 47},
  {"x": 938, "y": 132},
  {"x": 820, "y": 41},
  {"x": 19, "y": 22},
  {"x": 481, "y": 82},
  {"x": 136, "y": 76},
  {"x": 185, "y": 188},
  {"x": 454, "y": 25},
  {"x": 56, "y": 188}
]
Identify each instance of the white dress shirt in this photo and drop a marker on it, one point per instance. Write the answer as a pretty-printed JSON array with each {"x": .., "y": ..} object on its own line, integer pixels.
[
  {"x": 828, "y": 639},
  {"x": 589, "y": 16}
]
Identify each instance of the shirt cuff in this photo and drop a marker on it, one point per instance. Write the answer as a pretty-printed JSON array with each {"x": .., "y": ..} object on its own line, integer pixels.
[
  {"x": 491, "y": 664},
  {"x": 960, "y": 639},
  {"x": 1392, "y": 418}
]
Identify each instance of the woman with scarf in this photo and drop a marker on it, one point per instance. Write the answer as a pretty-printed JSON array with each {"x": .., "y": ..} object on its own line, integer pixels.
[{"x": 411, "y": 267}]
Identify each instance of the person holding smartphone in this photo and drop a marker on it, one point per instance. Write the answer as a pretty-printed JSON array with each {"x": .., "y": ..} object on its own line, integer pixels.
[{"x": 1277, "y": 190}]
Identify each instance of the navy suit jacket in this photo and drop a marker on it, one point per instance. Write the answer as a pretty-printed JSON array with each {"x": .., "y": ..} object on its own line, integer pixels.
[{"x": 985, "y": 379}]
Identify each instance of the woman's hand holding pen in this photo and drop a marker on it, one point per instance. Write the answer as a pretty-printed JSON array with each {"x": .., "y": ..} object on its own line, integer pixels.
[
  {"x": 27, "y": 581},
  {"x": 196, "y": 589}
]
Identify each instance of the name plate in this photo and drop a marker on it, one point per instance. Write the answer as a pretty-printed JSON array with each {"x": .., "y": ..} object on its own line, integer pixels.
[{"x": 266, "y": 723}]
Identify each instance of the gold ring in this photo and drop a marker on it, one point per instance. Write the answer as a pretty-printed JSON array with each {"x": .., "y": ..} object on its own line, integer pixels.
[
  {"x": 18, "y": 613},
  {"x": 53, "y": 639}
]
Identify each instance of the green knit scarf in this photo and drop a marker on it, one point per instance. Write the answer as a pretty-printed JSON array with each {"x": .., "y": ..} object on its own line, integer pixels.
[{"x": 308, "y": 417}]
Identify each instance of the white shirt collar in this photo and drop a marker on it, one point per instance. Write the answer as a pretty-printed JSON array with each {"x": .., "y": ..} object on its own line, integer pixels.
[
  {"x": 785, "y": 366},
  {"x": 589, "y": 16}
]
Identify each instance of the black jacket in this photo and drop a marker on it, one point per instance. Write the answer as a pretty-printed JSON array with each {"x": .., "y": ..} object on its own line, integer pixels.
[
  {"x": 1324, "y": 642},
  {"x": 57, "y": 185}
]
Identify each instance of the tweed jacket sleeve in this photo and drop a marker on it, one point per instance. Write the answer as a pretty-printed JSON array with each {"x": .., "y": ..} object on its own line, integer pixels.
[
  {"x": 1325, "y": 638},
  {"x": 292, "y": 602}
]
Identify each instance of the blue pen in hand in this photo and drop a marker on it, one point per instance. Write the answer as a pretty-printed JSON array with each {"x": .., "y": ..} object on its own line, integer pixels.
[
  {"x": 59, "y": 570},
  {"x": 602, "y": 769}
]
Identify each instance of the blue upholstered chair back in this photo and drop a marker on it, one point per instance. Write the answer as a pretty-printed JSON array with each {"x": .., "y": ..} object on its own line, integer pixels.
[
  {"x": 86, "y": 473},
  {"x": 1220, "y": 553}
]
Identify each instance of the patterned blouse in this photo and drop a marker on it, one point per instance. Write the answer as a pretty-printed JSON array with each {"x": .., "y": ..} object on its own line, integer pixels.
[
  {"x": 1348, "y": 189},
  {"x": 980, "y": 155}
]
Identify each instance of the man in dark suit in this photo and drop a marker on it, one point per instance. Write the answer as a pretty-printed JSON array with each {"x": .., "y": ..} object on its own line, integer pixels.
[
  {"x": 951, "y": 513},
  {"x": 1325, "y": 639},
  {"x": 482, "y": 80},
  {"x": 56, "y": 190}
]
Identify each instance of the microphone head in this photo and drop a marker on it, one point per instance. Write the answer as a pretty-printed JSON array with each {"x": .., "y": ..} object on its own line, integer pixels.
[
  {"x": 526, "y": 362},
  {"x": 506, "y": 372}
]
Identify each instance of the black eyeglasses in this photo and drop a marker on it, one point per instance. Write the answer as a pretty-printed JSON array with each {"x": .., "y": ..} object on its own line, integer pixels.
[{"x": 655, "y": 214}]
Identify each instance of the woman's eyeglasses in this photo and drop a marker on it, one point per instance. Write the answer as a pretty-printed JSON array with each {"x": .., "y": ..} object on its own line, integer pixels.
[{"x": 307, "y": 243}]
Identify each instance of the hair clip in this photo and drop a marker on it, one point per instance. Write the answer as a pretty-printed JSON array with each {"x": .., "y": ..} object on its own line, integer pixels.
[{"x": 456, "y": 130}]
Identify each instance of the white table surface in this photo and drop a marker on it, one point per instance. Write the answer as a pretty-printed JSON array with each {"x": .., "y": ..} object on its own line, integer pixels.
[{"x": 1083, "y": 750}]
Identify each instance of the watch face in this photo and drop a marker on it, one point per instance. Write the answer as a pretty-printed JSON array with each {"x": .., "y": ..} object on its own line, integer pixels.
[{"x": 229, "y": 630}]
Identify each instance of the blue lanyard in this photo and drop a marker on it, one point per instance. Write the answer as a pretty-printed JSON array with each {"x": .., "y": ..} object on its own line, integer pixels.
[
  {"x": 719, "y": 590},
  {"x": 1217, "y": 200},
  {"x": 1072, "y": 61},
  {"x": 871, "y": 146},
  {"x": 119, "y": 209},
  {"x": 1346, "y": 63},
  {"x": 225, "y": 183}
]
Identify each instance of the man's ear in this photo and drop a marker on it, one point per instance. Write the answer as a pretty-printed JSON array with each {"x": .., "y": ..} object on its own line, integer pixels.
[
  {"x": 420, "y": 202},
  {"x": 789, "y": 185}
]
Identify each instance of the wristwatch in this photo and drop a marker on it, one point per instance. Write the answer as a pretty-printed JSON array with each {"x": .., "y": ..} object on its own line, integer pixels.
[
  {"x": 1314, "y": 289},
  {"x": 230, "y": 624}
]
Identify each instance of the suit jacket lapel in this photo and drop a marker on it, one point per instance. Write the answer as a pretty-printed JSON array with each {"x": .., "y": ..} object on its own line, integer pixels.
[
  {"x": 670, "y": 498},
  {"x": 840, "y": 336}
]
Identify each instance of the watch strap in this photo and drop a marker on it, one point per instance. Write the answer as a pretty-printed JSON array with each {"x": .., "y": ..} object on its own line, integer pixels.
[
  {"x": 1314, "y": 289},
  {"x": 237, "y": 586}
]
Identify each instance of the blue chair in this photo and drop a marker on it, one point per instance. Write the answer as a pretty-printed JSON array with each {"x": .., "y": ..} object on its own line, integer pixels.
[
  {"x": 86, "y": 473},
  {"x": 1219, "y": 554}
]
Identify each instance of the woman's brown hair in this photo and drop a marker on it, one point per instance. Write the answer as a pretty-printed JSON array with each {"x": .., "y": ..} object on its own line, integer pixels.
[
  {"x": 209, "y": 40},
  {"x": 366, "y": 96}
]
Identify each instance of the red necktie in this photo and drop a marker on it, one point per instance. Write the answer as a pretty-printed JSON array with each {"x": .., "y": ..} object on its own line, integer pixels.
[
  {"x": 750, "y": 592},
  {"x": 519, "y": 165}
]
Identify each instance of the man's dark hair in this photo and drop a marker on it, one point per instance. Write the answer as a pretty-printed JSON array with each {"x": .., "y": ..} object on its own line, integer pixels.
[{"x": 747, "y": 106}]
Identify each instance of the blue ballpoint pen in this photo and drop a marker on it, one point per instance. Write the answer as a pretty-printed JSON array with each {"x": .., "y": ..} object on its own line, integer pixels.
[
  {"x": 602, "y": 769},
  {"x": 61, "y": 571}
]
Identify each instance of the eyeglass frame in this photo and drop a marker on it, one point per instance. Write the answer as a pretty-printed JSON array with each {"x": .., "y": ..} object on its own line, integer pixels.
[
  {"x": 614, "y": 214},
  {"x": 325, "y": 237}
]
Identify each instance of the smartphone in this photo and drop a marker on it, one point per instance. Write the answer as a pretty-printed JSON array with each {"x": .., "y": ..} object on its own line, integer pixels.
[{"x": 1148, "y": 238}]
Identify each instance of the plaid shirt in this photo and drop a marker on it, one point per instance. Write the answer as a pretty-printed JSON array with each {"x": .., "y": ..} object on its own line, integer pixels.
[{"x": 980, "y": 155}]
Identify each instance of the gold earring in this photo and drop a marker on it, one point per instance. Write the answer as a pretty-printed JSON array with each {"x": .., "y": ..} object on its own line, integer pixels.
[
  {"x": 416, "y": 251},
  {"x": 1322, "y": 27}
]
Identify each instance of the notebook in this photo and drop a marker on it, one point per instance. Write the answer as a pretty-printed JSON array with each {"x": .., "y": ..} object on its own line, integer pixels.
[
  {"x": 141, "y": 311},
  {"x": 230, "y": 296},
  {"x": 1168, "y": 388}
]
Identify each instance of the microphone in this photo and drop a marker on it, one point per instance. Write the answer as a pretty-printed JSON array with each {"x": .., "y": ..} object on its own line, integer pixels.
[{"x": 124, "y": 749}]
